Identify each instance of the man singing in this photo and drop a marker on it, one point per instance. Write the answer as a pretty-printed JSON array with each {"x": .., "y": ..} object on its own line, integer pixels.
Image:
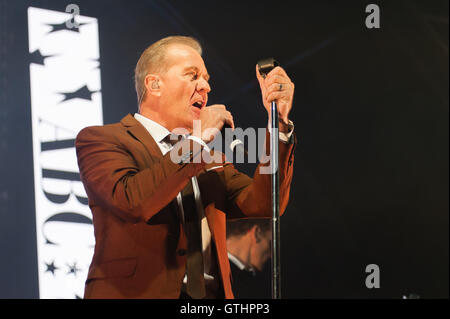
[{"x": 159, "y": 223}]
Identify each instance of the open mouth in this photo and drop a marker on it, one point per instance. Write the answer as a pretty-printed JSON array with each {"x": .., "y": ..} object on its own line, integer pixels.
[
  {"x": 198, "y": 104},
  {"x": 196, "y": 108}
]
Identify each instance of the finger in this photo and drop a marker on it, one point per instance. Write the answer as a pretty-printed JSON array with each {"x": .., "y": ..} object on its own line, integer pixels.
[
  {"x": 274, "y": 87},
  {"x": 276, "y": 95},
  {"x": 258, "y": 75},
  {"x": 279, "y": 87},
  {"x": 260, "y": 79},
  {"x": 277, "y": 71},
  {"x": 218, "y": 106},
  {"x": 230, "y": 120},
  {"x": 276, "y": 78}
]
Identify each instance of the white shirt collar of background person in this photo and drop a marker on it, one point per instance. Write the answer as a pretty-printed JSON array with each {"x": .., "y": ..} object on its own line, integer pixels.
[{"x": 239, "y": 263}]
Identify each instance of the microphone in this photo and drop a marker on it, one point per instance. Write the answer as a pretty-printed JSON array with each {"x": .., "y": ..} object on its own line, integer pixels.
[{"x": 266, "y": 65}]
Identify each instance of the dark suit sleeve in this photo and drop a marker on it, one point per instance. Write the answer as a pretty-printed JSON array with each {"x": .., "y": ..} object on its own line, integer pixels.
[
  {"x": 251, "y": 197},
  {"x": 112, "y": 178}
]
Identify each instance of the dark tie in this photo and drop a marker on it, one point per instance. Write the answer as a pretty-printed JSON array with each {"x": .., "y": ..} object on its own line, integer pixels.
[
  {"x": 195, "y": 286},
  {"x": 172, "y": 139}
]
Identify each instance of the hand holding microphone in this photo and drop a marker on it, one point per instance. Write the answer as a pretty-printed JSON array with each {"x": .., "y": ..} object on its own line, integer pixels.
[
  {"x": 215, "y": 119},
  {"x": 212, "y": 120},
  {"x": 276, "y": 86}
]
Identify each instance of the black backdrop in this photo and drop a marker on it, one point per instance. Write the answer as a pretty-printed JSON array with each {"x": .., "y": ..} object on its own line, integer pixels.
[{"x": 371, "y": 115}]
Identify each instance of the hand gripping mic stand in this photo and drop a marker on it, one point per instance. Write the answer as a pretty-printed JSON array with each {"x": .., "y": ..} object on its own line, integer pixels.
[{"x": 265, "y": 66}]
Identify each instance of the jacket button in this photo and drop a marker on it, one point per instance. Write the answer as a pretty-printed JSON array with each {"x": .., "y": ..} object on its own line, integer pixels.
[{"x": 181, "y": 252}]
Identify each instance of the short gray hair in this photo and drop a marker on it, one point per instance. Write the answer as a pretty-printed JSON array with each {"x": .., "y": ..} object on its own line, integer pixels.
[{"x": 153, "y": 60}]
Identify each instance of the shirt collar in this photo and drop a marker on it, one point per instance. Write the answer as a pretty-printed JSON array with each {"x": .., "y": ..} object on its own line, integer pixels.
[
  {"x": 157, "y": 131},
  {"x": 239, "y": 263}
]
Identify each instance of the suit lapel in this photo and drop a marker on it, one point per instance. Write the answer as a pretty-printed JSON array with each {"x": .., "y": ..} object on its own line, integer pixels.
[{"x": 140, "y": 133}]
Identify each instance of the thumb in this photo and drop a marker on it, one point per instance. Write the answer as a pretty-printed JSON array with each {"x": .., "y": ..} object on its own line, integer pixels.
[{"x": 260, "y": 80}]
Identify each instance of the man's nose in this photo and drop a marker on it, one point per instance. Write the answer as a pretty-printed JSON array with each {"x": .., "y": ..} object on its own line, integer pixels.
[{"x": 203, "y": 85}]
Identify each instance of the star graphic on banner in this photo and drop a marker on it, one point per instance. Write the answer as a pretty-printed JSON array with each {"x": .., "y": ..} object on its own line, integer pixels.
[
  {"x": 51, "y": 267},
  {"x": 62, "y": 26},
  {"x": 48, "y": 242},
  {"x": 73, "y": 269},
  {"x": 81, "y": 93},
  {"x": 97, "y": 60},
  {"x": 37, "y": 57}
]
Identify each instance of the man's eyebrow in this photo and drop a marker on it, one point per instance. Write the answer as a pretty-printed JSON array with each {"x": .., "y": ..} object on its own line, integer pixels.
[{"x": 194, "y": 68}]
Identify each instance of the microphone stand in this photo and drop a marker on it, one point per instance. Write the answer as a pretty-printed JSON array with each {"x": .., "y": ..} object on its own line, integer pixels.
[
  {"x": 265, "y": 66},
  {"x": 276, "y": 280}
]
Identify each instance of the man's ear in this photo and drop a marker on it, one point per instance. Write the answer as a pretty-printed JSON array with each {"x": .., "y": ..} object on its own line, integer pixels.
[
  {"x": 152, "y": 84},
  {"x": 256, "y": 231}
]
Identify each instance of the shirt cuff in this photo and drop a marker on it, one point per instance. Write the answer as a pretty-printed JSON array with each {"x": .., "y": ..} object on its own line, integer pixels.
[{"x": 284, "y": 136}]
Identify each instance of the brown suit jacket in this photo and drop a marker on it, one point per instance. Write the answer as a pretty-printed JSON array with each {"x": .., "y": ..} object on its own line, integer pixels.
[{"x": 140, "y": 249}]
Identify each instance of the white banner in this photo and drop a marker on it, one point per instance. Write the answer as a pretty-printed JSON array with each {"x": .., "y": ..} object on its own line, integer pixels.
[{"x": 65, "y": 97}]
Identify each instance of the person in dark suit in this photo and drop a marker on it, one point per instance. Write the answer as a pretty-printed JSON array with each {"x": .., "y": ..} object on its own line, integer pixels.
[
  {"x": 159, "y": 203},
  {"x": 249, "y": 249}
]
